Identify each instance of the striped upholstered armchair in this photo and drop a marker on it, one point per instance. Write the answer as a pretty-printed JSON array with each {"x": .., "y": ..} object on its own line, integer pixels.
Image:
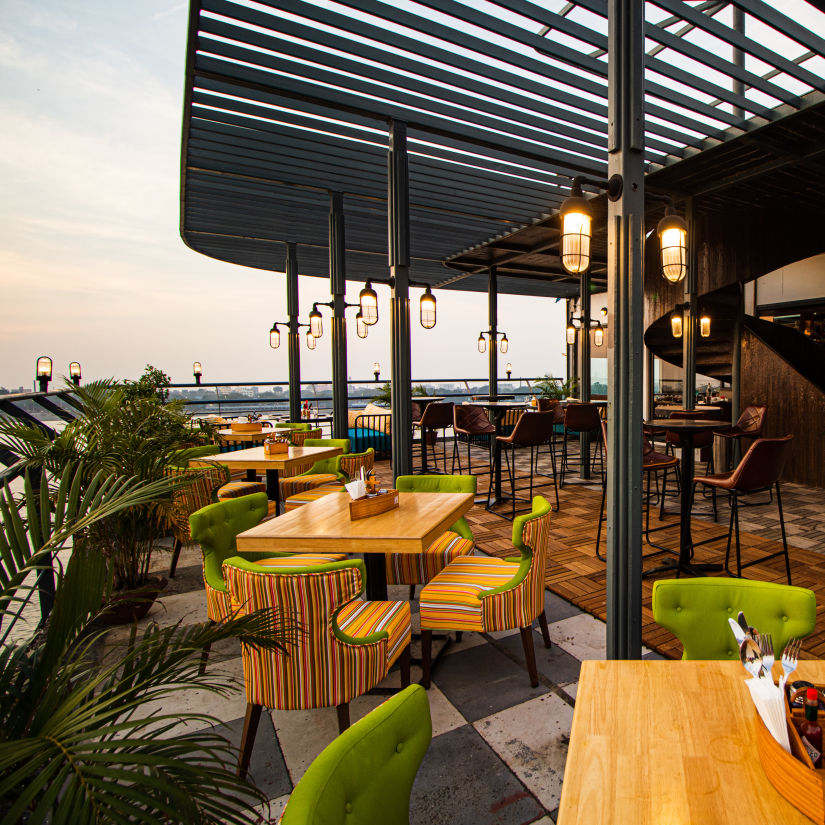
[
  {"x": 319, "y": 473},
  {"x": 419, "y": 568},
  {"x": 339, "y": 646},
  {"x": 348, "y": 465},
  {"x": 486, "y": 594}
]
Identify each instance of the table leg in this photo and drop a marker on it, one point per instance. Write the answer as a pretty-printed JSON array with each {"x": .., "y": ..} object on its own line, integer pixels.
[
  {"x": 495, "y": 459},
  {"x": 376, "y": 586},
  {"x": 251, "y": 475},
  {"x": 424, "y": 436},
  {"x": 584, "y": 455},
  {"x": 273, "y": 492}
]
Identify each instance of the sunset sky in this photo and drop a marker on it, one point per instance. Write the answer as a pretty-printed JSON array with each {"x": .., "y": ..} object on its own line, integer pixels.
[{"x": 92, "y": 266}]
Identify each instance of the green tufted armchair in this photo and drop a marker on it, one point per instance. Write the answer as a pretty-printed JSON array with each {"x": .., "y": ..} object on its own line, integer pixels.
[
  {"x": 697, "y": 610},
  {"x": 365, "y": 776}
]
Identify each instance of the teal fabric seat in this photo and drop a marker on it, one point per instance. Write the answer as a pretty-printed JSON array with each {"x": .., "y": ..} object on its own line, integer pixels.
[
  {"x": 365, "y": 776},
  {"x": 696, "y": 612}
]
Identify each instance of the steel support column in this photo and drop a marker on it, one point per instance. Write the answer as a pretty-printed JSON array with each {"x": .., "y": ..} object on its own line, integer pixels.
[
  {"x": 691, "y": 322},
  {"x": 736, "y": 371},
  {"x": 398, "y": 217},
  {"x": 293, "y": 350},
  {"x": 572, "y": 349},
  {"x": 492, "y": 312},
  {"x": 584, "y": 368},
  {"x": 338, "y": 287},
  {"x": 625, "y": 238}
]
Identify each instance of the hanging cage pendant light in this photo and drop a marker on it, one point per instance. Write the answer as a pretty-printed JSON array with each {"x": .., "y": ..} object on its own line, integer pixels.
[
  {"x": 704, "y": 325},
  {"x": 274, "y": 337},
  {"x": 311, "y": 342},
  {"x": 427, "y": 309},
  {"x": 576, "y": 231},
  {"x": 504, "y": 344},
  {"x": 361, "y": 329},
  {"x": 672, "y": 231},
  {"x": 482, "y": 344},
  {"x": 316, "y": 323},
  {"x": 368, "y": 300},
  {"x": 676, "y": 324},
  {"x": 598, "y": 335},
  {"x": 571, "y": 333}
]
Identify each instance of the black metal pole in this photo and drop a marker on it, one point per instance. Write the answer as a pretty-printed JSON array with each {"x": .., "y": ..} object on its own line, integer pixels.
[
  {"x": 338, "y": 285},
  {"x": 572, "y": 350},
  {"x": 398, "y": 229},
  {"x": 584, "y": 368},
  {"x": 690, "y": 324},
  {"x": 293, "y": 350},
  {"x": 492, "y": 311},
  {"x": 625, "y": 238},
  {"x": 736, "y": 372}
]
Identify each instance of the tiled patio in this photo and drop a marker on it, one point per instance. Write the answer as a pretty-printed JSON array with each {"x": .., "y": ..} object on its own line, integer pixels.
[{"x": 499, "y": 746}]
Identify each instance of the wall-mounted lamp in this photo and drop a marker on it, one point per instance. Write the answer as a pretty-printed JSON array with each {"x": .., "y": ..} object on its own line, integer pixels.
[
  {"x": 368, "y": 302},
  {"x": 274, "y": 337},
  {"x": 316, "y": 323},
  {"x": 508, "y": 369},
  {"x": 571, "y": 333},
  {"x": 603, "y": 312},
  {"x": 197, "y": 371},
  {"x": 44, "y": 372},
  {"x": 504, "y": 343},
  {"x": 676, "y": 324},
  {"x": 376, "y": 370},
  {"x": 74, "y": 373},
  {"x": 672, "y": 231},
  {"x": 577, "y": 222},
  {"x": 598, "y": 335},
  {"x": 704, "y": 325},
  {"x": 427, "y": 309},
  {"x": 361, "y": 329}
]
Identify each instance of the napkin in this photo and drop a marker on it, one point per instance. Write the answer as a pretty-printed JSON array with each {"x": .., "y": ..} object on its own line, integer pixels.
[
  {"x": 356, "y": 489},
  {"x": 770, "y": 703}
]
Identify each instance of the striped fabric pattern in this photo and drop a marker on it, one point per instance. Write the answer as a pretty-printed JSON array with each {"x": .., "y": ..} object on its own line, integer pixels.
[
  {"x": 299, "y": 484},
  {"x": 300, "y": 499},
  {"x": 318, "y": 669},
  {"x": 452, "y": 600},
  {"x": 448, "y": 602},
  {"x": 218, "y": 603},
  {"x": 352, "y": 463},
  {"x": 236, "y": 489},
  {"x": 187, "y": 500},
  {"x": 361, "y": 619},
  {"x": 419, "y": 568},
  {"x": 298, "y": 437}
]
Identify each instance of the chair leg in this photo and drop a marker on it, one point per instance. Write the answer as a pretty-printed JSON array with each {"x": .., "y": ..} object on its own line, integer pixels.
[
  {"x": 732, "y": 505},
  {"x": 404, "y": 666},
  {"x": 662, "y": 494},
  {"x": 545, "y": 632},
  {"x": 250, "y": 728},
  {"x": 784, "y": 537},
  {"x": 553, "y": 467},
  {"x": 343, "y": 716},
  {"x": 457, "y": 452},
  {"x": 205, "y": 654},
  {"x": 459, "y": 635},
  {"x": 736, "y": 527},
  {"x": 599, "y": 556},
  {"x": 530, "y": 655},
  {"x": 175, "y": 556},
  {"x": 412, "y": 592},
  {"x": 426, "y": 657}
]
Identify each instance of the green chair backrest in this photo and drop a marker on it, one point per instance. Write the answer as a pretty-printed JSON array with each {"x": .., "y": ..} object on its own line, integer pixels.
[
  {"x": 441, "y": 484},
  {"x": 216, "y": 526},
  {"x": 365, "y": 776},
  {"x": 697, "y": 610},
  {"x": 181, "y": 458},
  {"x": 288, "y": 425},
  {"x": 327, "y": 465}
]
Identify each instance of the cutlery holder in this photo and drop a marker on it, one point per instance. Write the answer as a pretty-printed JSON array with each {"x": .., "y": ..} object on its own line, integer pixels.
[{"x": 793, "y": 774}]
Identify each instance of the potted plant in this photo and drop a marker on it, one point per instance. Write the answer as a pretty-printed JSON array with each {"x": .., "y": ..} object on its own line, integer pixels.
[
  {"x": 555, "y": 388},
  {"x": 125, "y": 430},
  {"x": 75, "y": 744}
]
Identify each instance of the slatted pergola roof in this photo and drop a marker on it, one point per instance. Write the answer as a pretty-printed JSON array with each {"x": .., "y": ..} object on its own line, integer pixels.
[{"x": 504, "y": 101}]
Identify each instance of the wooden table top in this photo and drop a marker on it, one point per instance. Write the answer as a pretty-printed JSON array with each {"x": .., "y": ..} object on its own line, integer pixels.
[
  {"x": 231, "y": 435},
  {"x": 254, "y": 458},
  {"x": 685, "y": 424},
  {"x": 657, "y": 742},
  {"x": 324, "y": 525}
]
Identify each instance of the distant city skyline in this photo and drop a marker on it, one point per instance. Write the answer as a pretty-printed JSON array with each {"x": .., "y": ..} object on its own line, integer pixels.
[{"x": 91, "y": 263}]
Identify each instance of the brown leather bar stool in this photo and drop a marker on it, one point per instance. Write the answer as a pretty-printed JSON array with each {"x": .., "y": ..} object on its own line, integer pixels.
[
  {"x": 533, "y": 429},
  {"x": 438, "y": 415},
  {"x": 757, "y": 472},
  {"x": 471, "y": 422},
  {"x": 580, "y": 418},
  {"x": 652, "y": 464},
  {"x": 749, "y": 425}
]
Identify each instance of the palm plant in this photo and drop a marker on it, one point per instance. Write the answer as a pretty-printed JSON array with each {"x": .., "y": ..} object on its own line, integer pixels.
[
  {"x": 555, "y": 388},
  {"x": 117, "y": 432},
  {"x": 76, "y": 743}
]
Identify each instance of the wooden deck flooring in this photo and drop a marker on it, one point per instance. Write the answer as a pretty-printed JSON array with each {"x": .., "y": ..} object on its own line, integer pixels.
[{"x": 574, "y": 573}]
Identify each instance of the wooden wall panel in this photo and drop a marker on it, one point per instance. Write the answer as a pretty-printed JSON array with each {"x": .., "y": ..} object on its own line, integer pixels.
[{"x": 794, "y": 406}]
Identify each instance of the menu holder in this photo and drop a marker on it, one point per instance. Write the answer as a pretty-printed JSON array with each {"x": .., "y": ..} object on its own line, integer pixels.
[
  {"x": 247, "y": 426},
  {"x": 373, "y": 505},
  {"x": 793, "y": 774}
]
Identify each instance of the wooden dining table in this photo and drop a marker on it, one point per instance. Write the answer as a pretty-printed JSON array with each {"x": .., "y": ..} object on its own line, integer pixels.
[
  {"x": 254, "y": 460},
  {"x": 325, "y": 526},
  {"x": 670, "y": 743}
]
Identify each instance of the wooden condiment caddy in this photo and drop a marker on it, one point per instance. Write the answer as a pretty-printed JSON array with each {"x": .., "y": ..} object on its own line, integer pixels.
[
  {"x": 246, "y": 426},
  {"x": 793, "y": 774},
  {"x": 276, "y": 446},
  {"x": 373, "y": 505}
]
